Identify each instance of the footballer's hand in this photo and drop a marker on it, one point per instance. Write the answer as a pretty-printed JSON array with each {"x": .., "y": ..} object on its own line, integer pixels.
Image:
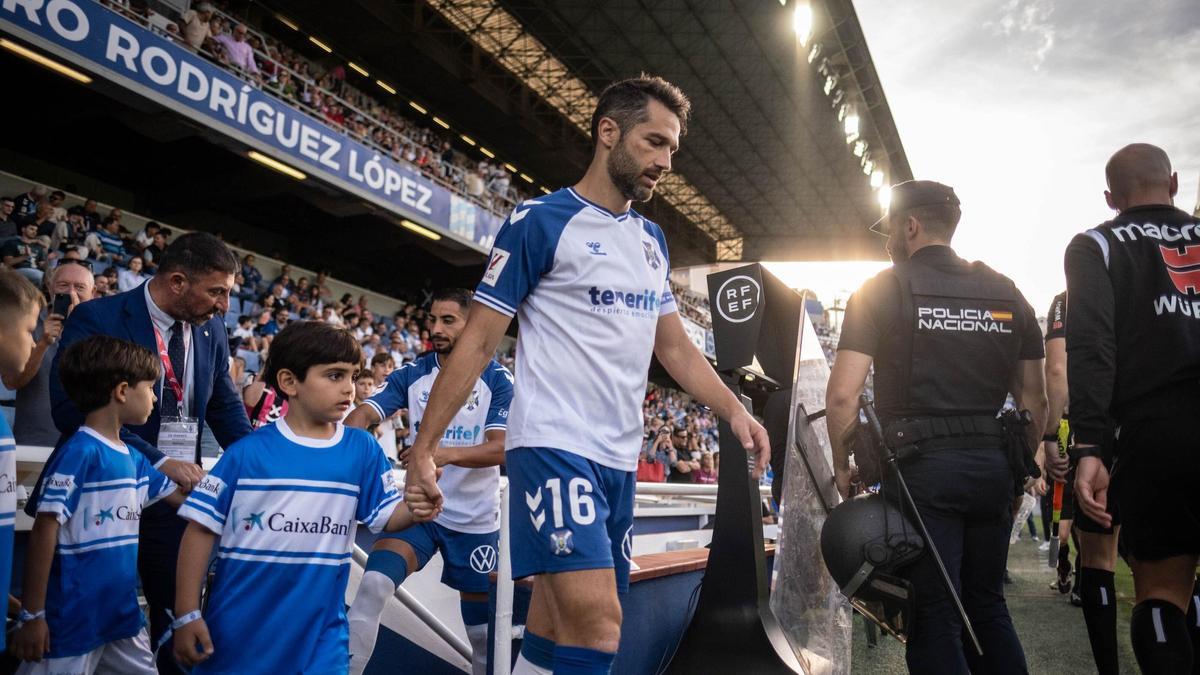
[
  {"x": 422, "y": 477},
  {"x": 419, "y": 503},
  {"x": 753, "y": 438},
  {"x": 193, "y": 643},
  {"x": 31, "y": 641}
]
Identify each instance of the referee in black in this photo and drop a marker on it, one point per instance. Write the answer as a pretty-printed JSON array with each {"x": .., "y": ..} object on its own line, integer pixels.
[{"x": 1133, "y": 360}]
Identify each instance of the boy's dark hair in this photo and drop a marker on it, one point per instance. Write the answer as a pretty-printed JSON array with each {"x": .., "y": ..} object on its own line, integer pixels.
[
  {"x": 242, "y": 319},
  {"x": 624, "y": 102},
  {"x": 304, "y": 344},
  {"x": 91, "y": 368},
  {"x": 18, "y": 295},
  {"x": 364, "y": 372},
  {"x": 198, "y": 253},
  {"x": 381, "y": 357},
  {"x": 458, "y": 295}
]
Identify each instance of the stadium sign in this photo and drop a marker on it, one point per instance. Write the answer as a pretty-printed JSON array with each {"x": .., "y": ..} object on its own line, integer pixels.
[{"x": 98, "y": 39}]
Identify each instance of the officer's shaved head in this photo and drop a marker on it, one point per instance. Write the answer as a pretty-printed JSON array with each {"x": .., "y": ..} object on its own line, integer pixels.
[{"x": 1137, "y": 169}]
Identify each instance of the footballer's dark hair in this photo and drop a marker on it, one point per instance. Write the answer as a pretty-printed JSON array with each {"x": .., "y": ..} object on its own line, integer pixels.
[
  {"x": 93, "y": 367},
  {"x": 304, "y": 344},
  {"x": 625, "y": 103},
  {"x": 461, "y": 296}
]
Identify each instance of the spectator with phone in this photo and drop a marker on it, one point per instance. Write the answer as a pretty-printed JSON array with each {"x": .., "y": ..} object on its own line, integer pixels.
[
  {"x": 69, "y": 284},
  {"x": 658, "y": 455}
]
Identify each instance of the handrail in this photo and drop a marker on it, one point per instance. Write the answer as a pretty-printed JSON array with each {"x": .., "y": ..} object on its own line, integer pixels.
[
  {"x": 422, "y": 612},
  {"x": 503, "y": 628}
]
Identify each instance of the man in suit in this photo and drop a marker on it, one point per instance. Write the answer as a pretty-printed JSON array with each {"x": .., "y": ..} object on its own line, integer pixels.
[{"x": 176, "y": 315}]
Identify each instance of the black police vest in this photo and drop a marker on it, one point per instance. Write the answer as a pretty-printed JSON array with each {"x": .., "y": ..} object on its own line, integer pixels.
[{"x": 955, "y": 347}]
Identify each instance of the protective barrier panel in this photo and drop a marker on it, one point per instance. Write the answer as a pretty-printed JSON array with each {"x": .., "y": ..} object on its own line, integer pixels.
[{"x": 811, "y": 610}]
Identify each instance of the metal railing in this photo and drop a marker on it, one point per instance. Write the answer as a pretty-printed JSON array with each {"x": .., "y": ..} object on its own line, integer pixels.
[
  {"x": 421, "y": 612},
  {"x": 503, "y": 634}
]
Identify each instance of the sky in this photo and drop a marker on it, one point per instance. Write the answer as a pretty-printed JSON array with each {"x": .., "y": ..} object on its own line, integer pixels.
[{"x": 1018, "y": 104}]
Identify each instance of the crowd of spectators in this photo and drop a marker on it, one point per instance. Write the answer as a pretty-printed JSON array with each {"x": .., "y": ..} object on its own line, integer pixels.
[
  {"x": 84, "y": 252},
  {"x": 679, "y": 443},
  {"x": 692, "y": 305},
  {"x": 322, "y": 90}
]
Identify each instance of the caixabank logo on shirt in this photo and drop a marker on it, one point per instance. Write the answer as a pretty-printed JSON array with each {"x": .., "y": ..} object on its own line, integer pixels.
[
  {"x": 291, "y": 523},
  {"x": 114, "y": 513},
  {"x": 964, "y": 320}
]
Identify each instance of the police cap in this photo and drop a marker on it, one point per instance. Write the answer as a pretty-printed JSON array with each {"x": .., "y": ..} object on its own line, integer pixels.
[{"x": 913, "y": 193}]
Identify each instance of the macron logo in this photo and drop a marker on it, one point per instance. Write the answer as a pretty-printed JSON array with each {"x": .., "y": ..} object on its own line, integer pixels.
[{"x": 495, "y": 266}]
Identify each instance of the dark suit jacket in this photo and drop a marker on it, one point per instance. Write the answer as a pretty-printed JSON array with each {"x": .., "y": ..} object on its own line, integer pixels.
[{"x": 215, "y": 402}]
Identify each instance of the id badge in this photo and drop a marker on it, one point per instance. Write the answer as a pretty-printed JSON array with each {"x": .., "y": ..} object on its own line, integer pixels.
[{"x": 178, "y": 436}]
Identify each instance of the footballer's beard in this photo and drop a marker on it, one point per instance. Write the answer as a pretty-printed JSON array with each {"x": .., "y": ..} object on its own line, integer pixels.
[
  {"x": 626, "y": 175},
  {"x": 442, "y": 344}
]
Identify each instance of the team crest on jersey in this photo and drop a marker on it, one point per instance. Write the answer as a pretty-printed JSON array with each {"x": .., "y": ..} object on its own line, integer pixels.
[
  {"x": 473, "y": 400},
  {"x": 652, "y": 258},
  {"x": 424, "y": 398},
  {"x": 562, "y": 542}
]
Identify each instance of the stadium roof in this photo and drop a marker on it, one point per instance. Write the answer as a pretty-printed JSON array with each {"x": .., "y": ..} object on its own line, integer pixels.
[{"x": 766, "y": 171}]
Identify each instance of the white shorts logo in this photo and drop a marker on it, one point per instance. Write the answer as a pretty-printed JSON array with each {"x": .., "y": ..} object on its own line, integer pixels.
[
  {"x": 483, "y": 559},
  {"x": 495, "y": 266}
]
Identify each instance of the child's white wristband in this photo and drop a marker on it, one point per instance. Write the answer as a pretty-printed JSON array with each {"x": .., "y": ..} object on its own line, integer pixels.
[
  {"x": 186, "y": 619},
  {"x": 26, "y": 616}
]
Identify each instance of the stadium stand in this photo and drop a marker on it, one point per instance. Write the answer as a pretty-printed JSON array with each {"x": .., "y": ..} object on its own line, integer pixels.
[{"x": 324, "y": 92}]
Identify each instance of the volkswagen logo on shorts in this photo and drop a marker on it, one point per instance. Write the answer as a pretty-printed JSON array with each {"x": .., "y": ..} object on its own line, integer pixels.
[
  {"x": 562, "y": 542},
  {"x": 483, "y": 559},
  {"x": 738, "y": 298},
  {"x": 627, "y": 544}
]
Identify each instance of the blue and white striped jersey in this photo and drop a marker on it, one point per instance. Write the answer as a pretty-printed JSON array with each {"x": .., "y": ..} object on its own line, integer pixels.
[
  {"x": 96, "y": 489},
  {"x": 471, "y": 497},
  {"x": 286, "y": 509},
  {"x": 588, "y": 287},
  {"x": 8, "y": 505}
]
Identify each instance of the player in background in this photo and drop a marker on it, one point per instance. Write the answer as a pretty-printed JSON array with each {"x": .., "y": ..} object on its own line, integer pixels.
[{"x": 467, "y": 531}]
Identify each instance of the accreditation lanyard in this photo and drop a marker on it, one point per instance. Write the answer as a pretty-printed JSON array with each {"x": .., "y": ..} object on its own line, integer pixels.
[
  {"x": 169, "y": 370},
  {"x": 178, "y": 436}
]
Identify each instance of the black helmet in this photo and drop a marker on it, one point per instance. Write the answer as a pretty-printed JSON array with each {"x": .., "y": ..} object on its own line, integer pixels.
[{"x": 863, "y": 537}]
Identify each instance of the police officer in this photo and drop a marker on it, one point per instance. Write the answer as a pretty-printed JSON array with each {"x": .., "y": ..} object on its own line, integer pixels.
[
  {"x": 1133, "y": 360},
  {"x": 949, "y": 340}
]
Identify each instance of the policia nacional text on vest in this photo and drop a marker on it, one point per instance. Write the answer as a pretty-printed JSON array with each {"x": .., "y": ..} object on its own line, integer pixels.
[{"x": 945, "y": 372}]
